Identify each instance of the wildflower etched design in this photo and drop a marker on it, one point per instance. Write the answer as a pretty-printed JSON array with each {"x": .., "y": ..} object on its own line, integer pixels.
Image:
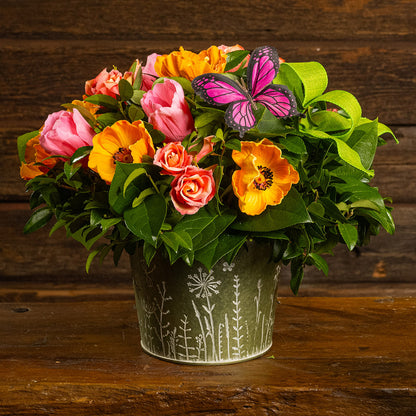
[{"x": 199, "y": 331}]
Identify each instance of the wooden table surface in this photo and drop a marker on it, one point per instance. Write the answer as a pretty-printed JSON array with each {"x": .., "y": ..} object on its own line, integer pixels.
[{"x": 330, "y": 356}]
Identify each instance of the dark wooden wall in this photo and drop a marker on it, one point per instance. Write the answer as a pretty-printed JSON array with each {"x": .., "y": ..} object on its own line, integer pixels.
[{"x": 48, "y": 48}]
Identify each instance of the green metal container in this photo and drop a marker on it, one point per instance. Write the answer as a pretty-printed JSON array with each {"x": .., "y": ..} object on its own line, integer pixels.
[{"x": 194, "y": 316}]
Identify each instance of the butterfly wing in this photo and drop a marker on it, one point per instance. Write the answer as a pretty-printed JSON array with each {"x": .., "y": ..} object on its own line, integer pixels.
[
  {"x": 278, "y": 99},
  {"x": 239, "y": 116},
  {"x": 262, "y": 69},
  {"x": 217, "y": 89}
]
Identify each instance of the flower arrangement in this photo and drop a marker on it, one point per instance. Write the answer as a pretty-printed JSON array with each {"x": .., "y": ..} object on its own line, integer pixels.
[{"x": 191, "y": 155}]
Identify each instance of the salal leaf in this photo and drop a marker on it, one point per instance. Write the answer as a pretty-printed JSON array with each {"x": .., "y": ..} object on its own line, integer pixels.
[
  {"x": 218, "y": 248},
  {"x": 349, "y": 234},
  {"x": 319, "y": 262},
  {"x": 145, "y": 221},
  {"x": 290, "y": 211},
  {"x": 37, "y": 220},
  {"x": 21, "y": 143},
  {"x": 345, "y": 152}
]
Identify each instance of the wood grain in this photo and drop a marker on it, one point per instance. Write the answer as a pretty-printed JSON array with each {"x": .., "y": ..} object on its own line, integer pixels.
[
  {"x": 329, "y": 356},
  {"x": 378, "y": 74},
  {"x": 223, "y": 21}
]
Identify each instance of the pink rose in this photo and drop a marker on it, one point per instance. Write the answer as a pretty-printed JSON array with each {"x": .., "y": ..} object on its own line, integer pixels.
[
  {"x": 104, "y": 83},
  {"x": 193, "y": 189},
  {"x": 149, "y": 73},
  {"x": 167, "y": 110},
  {"x": 173, "y": 158},
  {"x": 64, "y": 132}
]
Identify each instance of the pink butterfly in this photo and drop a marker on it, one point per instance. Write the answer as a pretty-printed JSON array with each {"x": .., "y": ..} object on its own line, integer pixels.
[{"x": 218, "y": 89}]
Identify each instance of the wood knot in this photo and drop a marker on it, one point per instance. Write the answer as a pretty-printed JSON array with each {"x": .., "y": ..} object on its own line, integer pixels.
[{"x": 380, "y": 270}]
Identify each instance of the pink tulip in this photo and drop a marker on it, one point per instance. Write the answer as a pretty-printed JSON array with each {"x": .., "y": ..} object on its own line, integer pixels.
[
  {"x": 172, "y": 158},
  {"x": 64, "y": 132},
  {"x": 149, "y": 73},
  {"x": 167, "y": 110},
  {"x": 191, "y": 190}
]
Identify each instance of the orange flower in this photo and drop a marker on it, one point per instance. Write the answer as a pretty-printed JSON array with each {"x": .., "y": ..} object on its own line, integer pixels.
[
  {"x": 36, "y": 160},
  {"x": 264, "y": 178},
  {"x": 122, "y": 142},
  {"x": 189, "y": 65}
]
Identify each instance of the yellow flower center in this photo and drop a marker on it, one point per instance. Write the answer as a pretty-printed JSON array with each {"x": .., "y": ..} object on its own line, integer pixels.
[
  {"x": 264, "y": 180},
  {"x": 123, "y": 155}
]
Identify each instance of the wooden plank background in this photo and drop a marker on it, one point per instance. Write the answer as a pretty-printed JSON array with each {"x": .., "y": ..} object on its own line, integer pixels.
[{"x": 48, "y": 49}]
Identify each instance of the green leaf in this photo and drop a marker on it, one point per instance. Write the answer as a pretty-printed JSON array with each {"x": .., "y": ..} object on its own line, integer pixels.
[
  {"x": 107, "y": 223},
  {"x": 234, "y": 59},
  {"x": 364, "y": 141},
  {"x": 290, "y": 211},
  {"x": 145, "y": 220},
  {"x": 383, "y": 129},
  {"x": 213, "y": 230},
  {"x": 103, "y": 100},
  {"x": 297, "y": 271},
  {"x": 319, "y": 262},
  {"x": 347, "y": 102},
  {"x": 133, "y": 175},
  {"x": 176, "y": 240},
  {"x": 218, "y": 248},
  {"x": 80, "y": 153},
  {"x": 293, "y": 144},
  {"x": 117, "y": 198},
  {"x": 267, "y": 125},
  {"x": 135, "y": 113},
  {"x": 71, "y": 170},
  {"x": 108, "y": 119},
  {"x": 137, "y": 96},
  {"x": 142, "y": 196},
  {"x": 22, "y": 141},
  {"x": 356, "y": 191},
  {"x": 331, "y": 210},
  {"x": 307, "y": 80},
  {"x": 125, "y": 90},
  {"x": 157, "y": 136},
  {"x": 364, "y": 203},
  {"x": 345, "y": 152},
  {"x": 37, "y": 220},
  {"x": 234, "y": 144},
  {"x": 349, "y": 233}
]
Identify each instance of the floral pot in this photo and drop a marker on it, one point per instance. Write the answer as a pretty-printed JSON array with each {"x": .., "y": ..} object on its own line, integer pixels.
[{"x": 189, "y": 315}]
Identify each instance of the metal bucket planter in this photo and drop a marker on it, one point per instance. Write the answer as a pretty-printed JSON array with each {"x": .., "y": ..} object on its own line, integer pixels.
[{"x": 194, "y": 316}]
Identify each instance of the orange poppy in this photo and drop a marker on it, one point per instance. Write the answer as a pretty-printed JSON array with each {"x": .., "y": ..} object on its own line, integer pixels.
[
  {"x": 265, "y": 177},
  {"x": 189, "y": 65},
  {"x": 122, "y": 142}
]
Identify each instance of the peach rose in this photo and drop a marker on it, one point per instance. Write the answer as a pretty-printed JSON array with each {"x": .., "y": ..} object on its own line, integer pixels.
[
  {"x": 104, "y": 83},
  {"x": 193, "y": 189},
  {"x": 172, "y": 158}
]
